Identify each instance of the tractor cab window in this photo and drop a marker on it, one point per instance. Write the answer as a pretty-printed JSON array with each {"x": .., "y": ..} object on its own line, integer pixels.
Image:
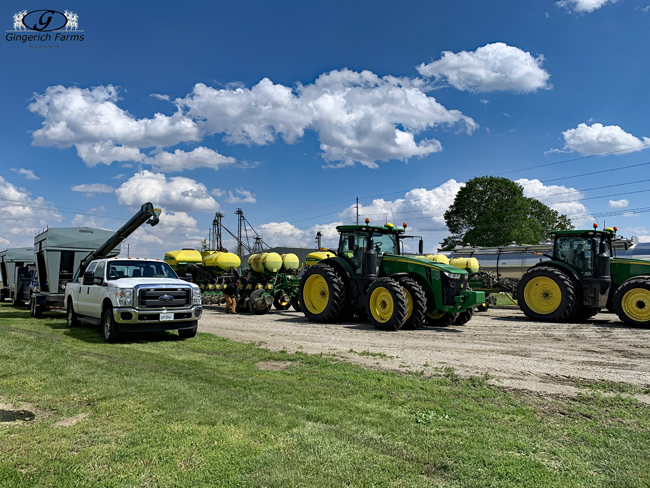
[
  {"x": 577, "y": 252},
  {"x": 352, "y": 246},
  {"x": 384, "y": 243}
]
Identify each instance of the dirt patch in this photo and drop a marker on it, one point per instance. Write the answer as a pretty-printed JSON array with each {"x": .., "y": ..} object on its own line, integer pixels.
[
  {"x": 70, "y": 421},
  {"x": 273, "y": 365},
  {"x": 515, "y": 352},
  {"x": 23, "y": 414}
]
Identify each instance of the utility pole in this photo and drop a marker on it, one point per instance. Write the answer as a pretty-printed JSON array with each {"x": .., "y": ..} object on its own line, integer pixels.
[{"x": 357, "y": 211}]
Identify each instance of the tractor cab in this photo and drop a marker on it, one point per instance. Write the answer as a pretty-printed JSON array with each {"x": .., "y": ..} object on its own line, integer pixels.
[
  {"x": 355, "y": 240},
  {"x": 580, "y": 250}
]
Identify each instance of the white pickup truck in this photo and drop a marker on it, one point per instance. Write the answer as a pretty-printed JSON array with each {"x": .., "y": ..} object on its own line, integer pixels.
[{"x": 133, "y": 295}]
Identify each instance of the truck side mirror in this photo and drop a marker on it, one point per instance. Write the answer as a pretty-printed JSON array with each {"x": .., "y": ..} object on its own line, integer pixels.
[
  {"x": 88, "y": 278},
  {"x": 98, "y": 280},
  {"x": 421, "y": 247}
]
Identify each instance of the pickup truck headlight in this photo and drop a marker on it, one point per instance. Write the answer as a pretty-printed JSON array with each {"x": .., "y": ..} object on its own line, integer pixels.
[
  {"x": 196, "y": 296},
  {"x": 124, "y": 297}
]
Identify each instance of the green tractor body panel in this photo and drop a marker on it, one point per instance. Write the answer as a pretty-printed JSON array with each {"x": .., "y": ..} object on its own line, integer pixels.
[
  {"x": 428, "y": 275},
  {"x": 624, "y": 269}
]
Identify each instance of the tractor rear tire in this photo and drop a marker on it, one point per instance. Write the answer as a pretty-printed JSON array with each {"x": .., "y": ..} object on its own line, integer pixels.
[
  {"x": 387, "y": 305},
  {"x": 279, "y": 303},
  {"x": 632, "y": 302},
  {"x": 464, "y": 317},
  {"x": 322, "y": 294},
  {"x": 547, "y": 294},
  {"x": 441, "y": 319},
  {"x": 416, "y": 302}
]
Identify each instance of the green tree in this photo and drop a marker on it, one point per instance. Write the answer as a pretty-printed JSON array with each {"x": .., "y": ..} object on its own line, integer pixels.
[{"x": 493, "y": 211}]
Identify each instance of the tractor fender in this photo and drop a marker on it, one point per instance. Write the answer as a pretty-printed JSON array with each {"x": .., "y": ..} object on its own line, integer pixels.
[{"x": 572, "y": 273}]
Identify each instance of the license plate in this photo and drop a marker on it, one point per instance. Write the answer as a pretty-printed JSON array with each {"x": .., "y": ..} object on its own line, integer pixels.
[{"x": 166, "y": 316}]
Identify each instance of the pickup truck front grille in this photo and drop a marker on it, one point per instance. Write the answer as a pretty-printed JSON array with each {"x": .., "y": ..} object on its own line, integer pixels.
[{"x": 160, "y": 297}]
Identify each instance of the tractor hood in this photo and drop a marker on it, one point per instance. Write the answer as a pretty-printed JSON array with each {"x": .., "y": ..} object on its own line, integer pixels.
[{"x": 423, "y": 262}]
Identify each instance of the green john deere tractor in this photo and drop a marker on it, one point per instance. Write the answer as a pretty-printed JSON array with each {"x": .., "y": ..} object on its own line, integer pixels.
[
  {"x": 369, "y": 277},
  {"x": 582, "y": 277}
]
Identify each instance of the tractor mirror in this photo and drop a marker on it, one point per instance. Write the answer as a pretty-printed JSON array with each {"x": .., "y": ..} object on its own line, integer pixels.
[{"x": 421, "y": 247}]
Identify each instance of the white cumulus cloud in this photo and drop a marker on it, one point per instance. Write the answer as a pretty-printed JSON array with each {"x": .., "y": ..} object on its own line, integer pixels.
[
  {"x": 493, "y": 67},
  {"x": 619, "y": 203},
  {"x": 93, "y": 188},
  {"x": 179, "y": 160},
  {"x": 176, "y": 194},
  {"x": 583, "y": 6},
  {"x": 245, "y": 195},
  {"x": 22, "y": 216},
  {"x": 566, "y": 200},
  {"x": 102, "y": 132},
  {"x": 599, "y": 139},
  {"x": 27, "y": 173}
]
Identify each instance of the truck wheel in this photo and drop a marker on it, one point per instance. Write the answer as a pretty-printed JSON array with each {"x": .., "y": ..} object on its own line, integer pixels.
[
  {"x": 295, "y": 303},
  {"x": 189, "y": 333},
  {"x": 632, "y": 302},
  {"x": 416, "y": 302},
  {"x": 321, "y": 294},
  {"x": 546, "y": 294},
  {"x": 16, "y": 302},
  {"x": 73, "y": 320},
  {"x": 280, "y": 303},
  {"x": 34, "y": 311},
  {"x": 464, "y": 317},
  {"x": 387, "y": 305},
  {"x": 441, "y": 319},
  {"x": 109, "y": 329}
]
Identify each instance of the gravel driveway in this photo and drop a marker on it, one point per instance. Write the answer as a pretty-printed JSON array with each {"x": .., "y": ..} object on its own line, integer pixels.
[{"x": 514, "y": 351}]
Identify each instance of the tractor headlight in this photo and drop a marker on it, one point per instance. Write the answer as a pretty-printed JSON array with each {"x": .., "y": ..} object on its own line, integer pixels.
[
  {"x": 452, "y": 276},
  {"x": 124, "y": 297},
  {"x": 196, "y": 296}
]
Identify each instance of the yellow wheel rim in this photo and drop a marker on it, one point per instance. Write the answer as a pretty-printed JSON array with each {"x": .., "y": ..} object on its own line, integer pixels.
[
  {"x": 409, "y": 303},
  {"x": 316, "y": 294},
  {"x": 543, "y": 295},
  {"x": 636, "y": 304},
  {"x": 435, "y": 316},
  {"x": 381, "y": 304}
]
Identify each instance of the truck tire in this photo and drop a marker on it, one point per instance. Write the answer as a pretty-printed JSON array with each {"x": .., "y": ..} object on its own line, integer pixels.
[
  {"x": 547, "y": 294},
  {"x": 321, "y": 294},
  {"x": 189, "y": 333},
  {"x": 632, "y": 302},
  {"x": 34, "y": 311},
  {"x": 109, "y": 329},
  {"x": 386, "y": 304},
  {"x": 17, "y": 302},
  {"x": 295, "y": 303},
  {"x": 464, "y": 317},
  {"x": 279, "y": 303},
  {"x": 416, "y": 302},
  {"x": 441, "y": 319},
  {"x": 73, "y": 320}
]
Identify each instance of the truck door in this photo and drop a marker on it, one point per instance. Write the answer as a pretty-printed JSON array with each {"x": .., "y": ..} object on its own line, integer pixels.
[
  {"x": 81, "y": 301},
  {"x": 96, "y": 292}
]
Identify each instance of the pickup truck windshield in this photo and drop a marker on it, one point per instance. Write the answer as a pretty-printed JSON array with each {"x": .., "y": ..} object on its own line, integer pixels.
[{"x": 139, "y": 269}]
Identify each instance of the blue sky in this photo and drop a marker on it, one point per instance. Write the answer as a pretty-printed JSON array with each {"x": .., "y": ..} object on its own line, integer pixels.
[{"x": 292, "y": 111}]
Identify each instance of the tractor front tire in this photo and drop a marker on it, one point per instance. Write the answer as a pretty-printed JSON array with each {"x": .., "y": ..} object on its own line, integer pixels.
[
  {"x": 632, "y": 302},
  {"x": 464, "y": 317},
  {"x": 441, "y": 319},
  {"x": 321, "y": 294},
  {"x": 416, "y": 303},
  {"x": 387, "y": 305},
  {"x": 547, "y": 294}
]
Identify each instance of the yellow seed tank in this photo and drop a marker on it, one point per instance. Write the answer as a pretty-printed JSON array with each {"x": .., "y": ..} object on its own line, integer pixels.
[
  {"x": 266, "y": 261},
  {"x": 222, "y": 260}
]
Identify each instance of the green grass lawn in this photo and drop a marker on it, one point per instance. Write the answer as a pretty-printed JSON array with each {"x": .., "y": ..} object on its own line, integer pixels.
[{"x": 160, "y": 411}]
